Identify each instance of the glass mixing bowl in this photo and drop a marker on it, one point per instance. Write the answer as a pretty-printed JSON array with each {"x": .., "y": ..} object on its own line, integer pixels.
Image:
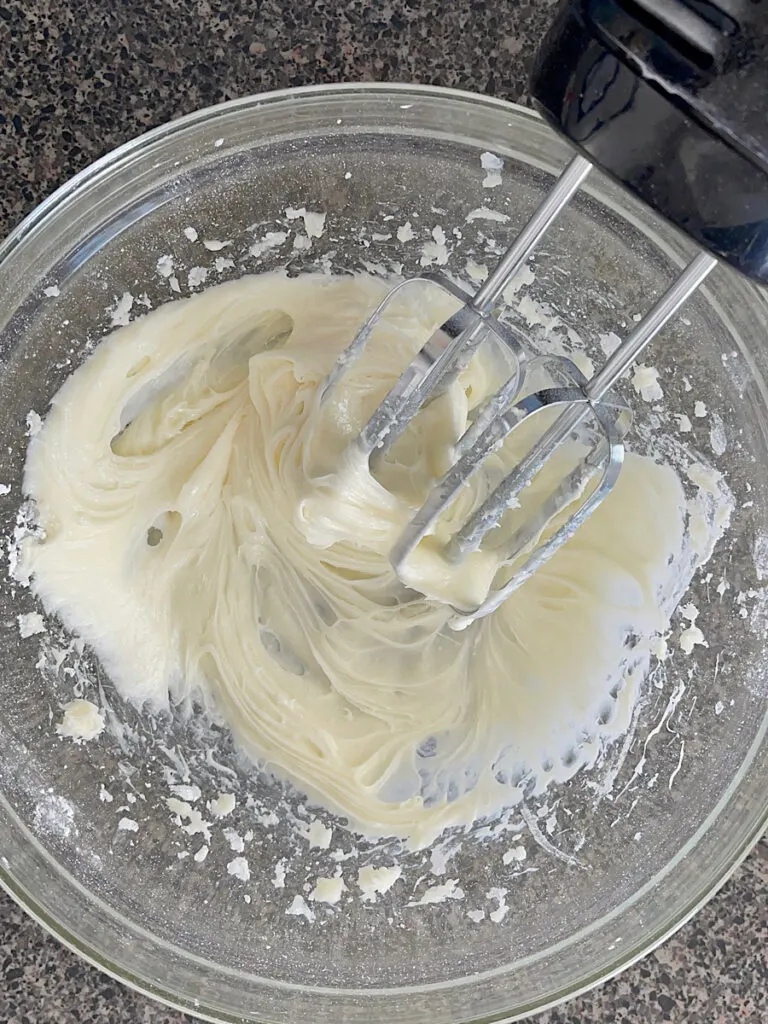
[{"x": 656, "y": 828}]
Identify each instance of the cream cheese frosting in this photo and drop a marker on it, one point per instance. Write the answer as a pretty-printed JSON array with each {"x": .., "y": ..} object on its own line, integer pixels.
[{"x": 208, "y": 532}]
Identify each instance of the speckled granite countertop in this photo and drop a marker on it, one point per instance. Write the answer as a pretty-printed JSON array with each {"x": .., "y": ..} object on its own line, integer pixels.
[{"x": 79, "y": 79}]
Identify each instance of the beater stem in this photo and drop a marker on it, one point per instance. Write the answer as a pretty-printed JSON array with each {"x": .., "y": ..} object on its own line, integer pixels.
[
  {"x": 565, "y": 186},
  {"x": 491, "y": 510},
  {"x": 650, "y": 325}
]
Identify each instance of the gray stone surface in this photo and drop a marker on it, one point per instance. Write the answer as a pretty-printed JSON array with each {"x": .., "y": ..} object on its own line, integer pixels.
[
  {"x": 78, "y": 79},
  {"x": 713, "y": 971}
]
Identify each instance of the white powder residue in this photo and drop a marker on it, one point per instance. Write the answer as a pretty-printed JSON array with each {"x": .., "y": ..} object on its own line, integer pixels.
[
  {"x": 165, "y": 266},
  {"x": 265, "y": 818},
  {"x": 493, "y": 166},
  {"x": 30, "y": 624},
  {"x": 645, "y": 381},
  {"x": 197, "y": 276},
  {"x": 195, "y": 823},
  {"x": 692, "y": 636},
  {"x": 235, "y": 840},
  {"x": 271, "y": 240},
  {"x": 55, "y": 815},
  {"x": 178, "y": 807},
  {"x": 449, "y": 890},
  {"x": 405, "y": 232},
  {"x": 299, "y": 908},
  {"x": 318, "y": 835},
  {"x": 584, "y": 363},
  {"x": 17, "y": 570},
  {"x": 498, "y": 915},
  {"x": 214, "y": 245},
  {"x": 52, "y": 291},
  {"x": 476, "y": 915},
  {"x": 435, "y": 251},
  {"x": 239, "y": 869},
  {"x": 201, "y": 854},
  {"x": 82, "y": 721},
  {"x": 279, "y": 879},
  {"x": 127, "y": 825},
  {"x": 439, "y": 857},
  {"x": 515, "y": 855},
  {"x": 538, "y": 315},
  {"x": 327, "y": 890},
  {"x": 705, "y": 477},
  {"x": 314, "y": 222},
  {"x": 191, "y": 234},
  {"x": 186, "y": 792},
  {"x": 340, "y": 855},
  {"x": 483, "y": 213},
  {"x": 659, "y": 648},
  {"x": 34, "y": 423},
  {"x": 4, "y": 489},
  {"x": 609, "y": 342},
  {"x": 376, "y": 881},
  {"x": 760, "y": 555},
  {"x": 718, "y": 439},
  {"x": 477, "y": 271},
  {"x": 684, "y": 424},
  {"x": 699, "y": 410},
  {"x": 223, "y": 805},
  {"x": 375, "y": 268},
  {"x": 678, "y": 766},
  {"x": 120, "y": 312},
  {"x": 710, "y": 510}
]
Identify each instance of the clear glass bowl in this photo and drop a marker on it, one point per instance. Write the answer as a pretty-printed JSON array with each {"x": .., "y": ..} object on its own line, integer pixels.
[{"x": 654, "y": 848}]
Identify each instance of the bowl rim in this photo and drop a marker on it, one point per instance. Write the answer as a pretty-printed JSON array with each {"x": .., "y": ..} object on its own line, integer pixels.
[
  {"x": 87, "y": 951},
  {"x": 144, "y": 140}
]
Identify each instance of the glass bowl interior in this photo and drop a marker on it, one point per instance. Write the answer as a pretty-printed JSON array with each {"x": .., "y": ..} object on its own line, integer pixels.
[{"x": 665, "y": 818}]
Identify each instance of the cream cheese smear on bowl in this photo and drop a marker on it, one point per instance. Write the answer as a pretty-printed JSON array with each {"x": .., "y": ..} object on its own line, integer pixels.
[{"x": 205, "y": 530}]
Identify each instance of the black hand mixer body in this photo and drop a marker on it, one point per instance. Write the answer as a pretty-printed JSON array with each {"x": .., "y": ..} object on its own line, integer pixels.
[{"x": 670, "y": 97}]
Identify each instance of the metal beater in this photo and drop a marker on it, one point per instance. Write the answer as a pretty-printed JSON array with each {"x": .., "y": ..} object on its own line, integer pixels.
[{"x": 449, "y": 350}]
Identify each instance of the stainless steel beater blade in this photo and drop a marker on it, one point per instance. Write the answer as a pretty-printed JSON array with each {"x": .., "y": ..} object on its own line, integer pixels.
[
  {"x": 595, "y": 391},
  {"x": 452, "y": 345},
  {"x": 502, "y": 413}
]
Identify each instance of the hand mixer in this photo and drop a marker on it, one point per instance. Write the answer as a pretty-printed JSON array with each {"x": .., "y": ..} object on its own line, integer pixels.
[{"x": 670, "y": 97}]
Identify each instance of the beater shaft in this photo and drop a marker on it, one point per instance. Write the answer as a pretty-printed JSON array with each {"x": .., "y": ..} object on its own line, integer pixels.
[
  {"x": 488, "y": 515},
  {"x": 564, "y": 188}
]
